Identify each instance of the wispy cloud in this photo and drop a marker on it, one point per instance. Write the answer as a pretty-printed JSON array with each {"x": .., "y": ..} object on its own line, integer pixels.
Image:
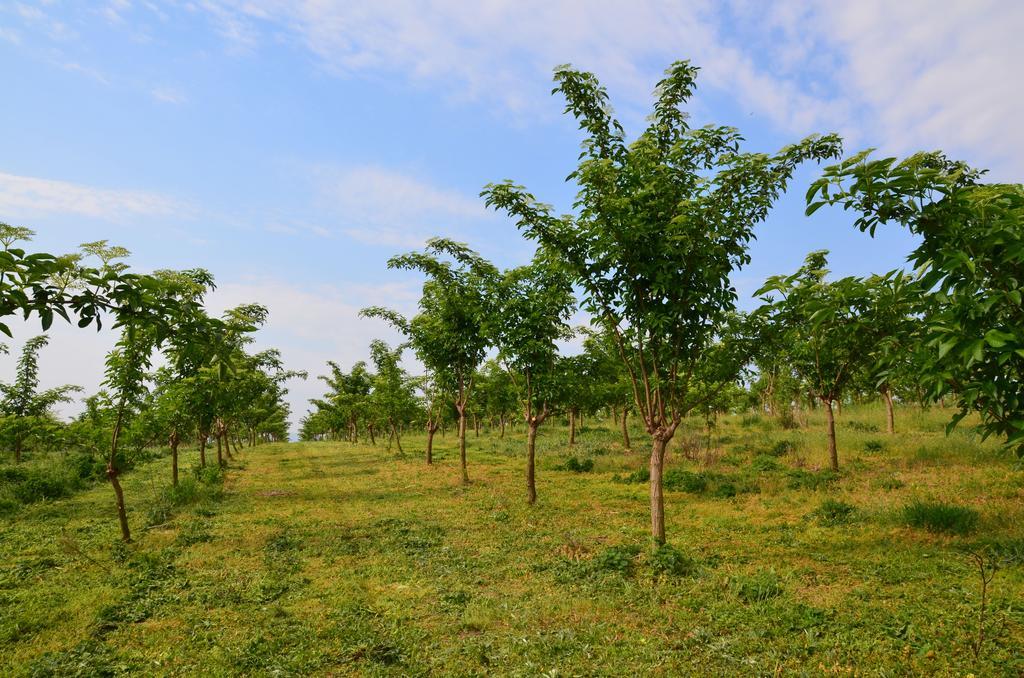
[
  {"x": 92, "y": 73},
  {"x": 10, "y": 35},
  {"x": 381, "y": 206},
  {"x": 22, "y": 197},
  {"x": 169, "y": 95}
]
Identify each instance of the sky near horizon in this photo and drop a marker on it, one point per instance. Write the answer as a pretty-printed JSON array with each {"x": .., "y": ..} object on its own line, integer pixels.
[{"x": 292, "y": 147}]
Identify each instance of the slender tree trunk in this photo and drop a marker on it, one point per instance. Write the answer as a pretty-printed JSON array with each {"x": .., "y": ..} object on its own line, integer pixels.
[
  {"x": 625, "y": 430},
  {"x": 531, "y": 449},
  {"x": 462, "y": 444},
  {"x": 174, "y": 457},
  {"x": 890, "y": 415},
  {"x": 476, "y": 425},
  {"x": 112, "y": 473},
  {"x": 220, "y": 455},
  {"x": 202, "y": 448},
  {"x": 502, "y": 427},
  {"x": 658, "y": 445},
  {"x": 373, "y": 438},
  {"x": 572, "y": 426},
  {"x": 398, "y": 438},
  {"x": 431, "y": 430},
  {"x": 833, "y": 454}
]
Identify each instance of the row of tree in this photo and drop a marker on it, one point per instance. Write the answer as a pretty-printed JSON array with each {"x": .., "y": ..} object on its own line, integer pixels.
[
  {"x": 660, "y": 224},
  {"x": 207, "y": 387}
]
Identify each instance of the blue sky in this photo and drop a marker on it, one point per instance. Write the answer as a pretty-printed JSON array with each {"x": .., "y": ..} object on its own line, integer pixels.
[{"x": 292, "y": 147}]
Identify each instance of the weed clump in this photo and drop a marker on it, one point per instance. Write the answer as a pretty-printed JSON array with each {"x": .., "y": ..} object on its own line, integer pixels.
[
  {"x": 939, "y": 517},
  {"x": 833, "y": 512},
  {"x": 641, "y": 475},
  {"x": 799, "y": 479},
  {"x": 780, "y": 449},
  {"x": 874, "y": 446},
  {"x": 749, "y": 420},
  {"x": 758, "y": 587},
  {"x": 887, "y": 483}
]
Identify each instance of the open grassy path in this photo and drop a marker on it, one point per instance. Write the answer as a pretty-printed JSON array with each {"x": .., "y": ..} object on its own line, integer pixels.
[{"x": 338, "y": 559}]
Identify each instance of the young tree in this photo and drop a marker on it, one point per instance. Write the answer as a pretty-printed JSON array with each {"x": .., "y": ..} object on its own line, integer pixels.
[
  {"x": 827, "y": 330},
  {"x": 971, "y": 255},
  {"x": 610, "y": 387},
  {"x": 126, "y": 375},
  {"x": 447, "y": 334},
  {"x": 528, "y": 314},
  {"x": 23, "y": 405},
  {"x": 393, "y": 397},
  {"x": 344, "y": 406},
  {"x": 896, "y": 320},
  {"x": 188, "y": 351},
  {"x": 660, "y": 226},
  {"x": 435, "y": 401}
]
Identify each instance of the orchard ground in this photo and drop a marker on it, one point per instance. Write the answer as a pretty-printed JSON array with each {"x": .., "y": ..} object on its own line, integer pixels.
[{"x": 330, "y": 558}]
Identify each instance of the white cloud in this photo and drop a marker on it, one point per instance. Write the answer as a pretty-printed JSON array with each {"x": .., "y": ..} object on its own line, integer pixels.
[
  {"x": 930, "y": 77},
  {"x": 386, "y": 207},
  {"x": 22, "y": 197},
  {"x": 900, "y": 75}
]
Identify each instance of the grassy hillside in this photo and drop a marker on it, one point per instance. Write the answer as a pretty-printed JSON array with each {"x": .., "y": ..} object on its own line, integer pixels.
[{"x": 336, "y": 559}]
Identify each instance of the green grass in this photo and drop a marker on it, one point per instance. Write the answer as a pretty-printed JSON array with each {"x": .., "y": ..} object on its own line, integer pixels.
[
  {"x": 338, "y": 559},
  {"x": 936, "y": 516}
]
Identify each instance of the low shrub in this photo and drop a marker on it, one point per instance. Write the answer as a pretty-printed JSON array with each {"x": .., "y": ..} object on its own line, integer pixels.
[
  {"x": 939, "y": 517},
  {"x": 667, "y": 560},
  {"x": 578, "y": 465},
  {"x": 725, "y": 490},
  {"x": 685, "y": 481},
  {"x": 29, "y": 484},
  {"x": 764, "y": 463},
  {"x": 616, "y": 559},
  {"x": 874, "y": 446},
  {"x": 211, "y": 474}
]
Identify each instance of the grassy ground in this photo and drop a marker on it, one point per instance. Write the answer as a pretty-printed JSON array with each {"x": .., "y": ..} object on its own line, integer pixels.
[{"x": 333, "y": 559}]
